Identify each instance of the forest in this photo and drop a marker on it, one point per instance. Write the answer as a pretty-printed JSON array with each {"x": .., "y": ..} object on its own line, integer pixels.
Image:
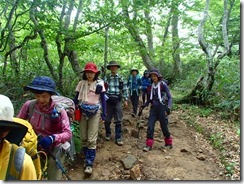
[{"x": 195, "y": 44}]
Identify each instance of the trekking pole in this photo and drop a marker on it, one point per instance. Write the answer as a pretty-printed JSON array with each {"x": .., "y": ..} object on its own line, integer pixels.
[
  {"x": 59, "y": 164},
  {"x": 138, "y": 123},
  {"x": 39, "y": 137}
]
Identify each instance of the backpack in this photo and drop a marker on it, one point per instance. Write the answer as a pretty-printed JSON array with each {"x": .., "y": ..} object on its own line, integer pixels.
[
  {"x": 69, "y": 106},
  {"x": 164, "y": 97},
  {"x": 29, "y": 146},
  {"x": 16, "y": 160}
]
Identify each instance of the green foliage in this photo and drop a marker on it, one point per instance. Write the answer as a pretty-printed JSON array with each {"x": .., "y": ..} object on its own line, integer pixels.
[
  {"x": 227, "y": 86},
  {"x": 217, "y": 141}
]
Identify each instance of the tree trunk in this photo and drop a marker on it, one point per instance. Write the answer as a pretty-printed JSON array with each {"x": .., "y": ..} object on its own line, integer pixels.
[
  {"x": 201, "y": 92},
  {"x": 149, "y": 33},
  {"x": 177, "y": 69},
  {"x": 105, "y": 53},
  {"x": 146, "y": 58}
]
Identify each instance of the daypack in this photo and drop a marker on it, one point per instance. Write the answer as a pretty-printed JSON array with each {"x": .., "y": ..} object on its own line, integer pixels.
[
  {"x": 164, "y": 97},
  {"x": 29, "y": 143},
  {"x": 15, "y": 164},
  {"x": 69, "y": 106},
  {"x": 61, "y": 102}
]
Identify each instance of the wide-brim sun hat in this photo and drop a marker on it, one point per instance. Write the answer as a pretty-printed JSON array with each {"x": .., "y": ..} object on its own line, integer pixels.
[
  {"x": 134, "y": 69},
  {"x": 92, "y": 67},
  {"x": 146, "y": 72},
  {"x": 112, "y": 63},
  {"x": 17, "y": 131},
  {"x": 42, "y": 83},
  {"x": 156, "y": 72}
]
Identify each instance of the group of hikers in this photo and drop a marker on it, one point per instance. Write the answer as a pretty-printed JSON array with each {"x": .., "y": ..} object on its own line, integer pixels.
[{"x": 97, "y": 99}]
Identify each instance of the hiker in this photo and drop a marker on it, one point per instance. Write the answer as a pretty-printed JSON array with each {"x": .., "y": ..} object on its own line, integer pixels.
[
  {"x": 161, "y": 102},
  {"x": 116, "y": 91},
  {"x": 51, "y": 127},
  {"x": 134, "y": 85},
  {"x": 146, "y": 82},
  {"x": 8, "y": 169},
  {"x": 90, "y": 97}
]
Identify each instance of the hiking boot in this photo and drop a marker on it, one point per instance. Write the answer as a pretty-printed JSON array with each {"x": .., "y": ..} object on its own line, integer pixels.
[
  {"x": 168, "y": 146},
  {"x": 88, "y": 170},
  {"x": 119, "y": 142},
  {"x": 107, "y": 137},
  {"x": 147, "y": 148}
]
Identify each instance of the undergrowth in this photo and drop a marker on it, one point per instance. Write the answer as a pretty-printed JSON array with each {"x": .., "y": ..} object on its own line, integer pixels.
[{"x": 216, "y": 139}]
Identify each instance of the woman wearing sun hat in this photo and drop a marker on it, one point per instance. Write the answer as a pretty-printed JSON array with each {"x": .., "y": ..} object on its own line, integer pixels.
[
  {"x": 52, "y": 128},
  {"x": 7, "y": 127},
  {"x": 90, "y": 98},
  {"x": 161, "y": 102}
]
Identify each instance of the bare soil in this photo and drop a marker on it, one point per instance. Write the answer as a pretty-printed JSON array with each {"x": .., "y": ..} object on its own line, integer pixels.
[{"x": 191, "y": 158}]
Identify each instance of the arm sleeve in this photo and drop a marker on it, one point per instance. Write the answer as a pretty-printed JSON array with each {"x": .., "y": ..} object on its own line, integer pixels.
[
  {"x": 65, "y": 134},
  {"x": 103, "y": 102},
  {"x": 125, "y": 90},
  {"x": 76, "y": 101},
  {"x": 166, "y": 88}
]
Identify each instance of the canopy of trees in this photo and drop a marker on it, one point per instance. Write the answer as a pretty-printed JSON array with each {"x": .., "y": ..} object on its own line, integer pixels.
[{"x": 194, "y": 43}]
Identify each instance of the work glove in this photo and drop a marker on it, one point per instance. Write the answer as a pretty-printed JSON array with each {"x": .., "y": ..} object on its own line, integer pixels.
[
  {"x": 167, "y": 110},
  {"x": 103, "y": 116},
  {"x": 47, "y": 141},
  {"x": 99, "y": 89}
]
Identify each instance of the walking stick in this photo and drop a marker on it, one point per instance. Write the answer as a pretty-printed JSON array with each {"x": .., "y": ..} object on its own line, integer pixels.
[
  {"x": 39, "y": 137},
  {"x": 58, "y": 164},
  {"x": 139, "y": 122}
]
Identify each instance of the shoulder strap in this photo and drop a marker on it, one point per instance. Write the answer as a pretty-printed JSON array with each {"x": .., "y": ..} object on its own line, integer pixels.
[
  {"x": 31, "y": 108},
  {"x": 15, "y": 165}
]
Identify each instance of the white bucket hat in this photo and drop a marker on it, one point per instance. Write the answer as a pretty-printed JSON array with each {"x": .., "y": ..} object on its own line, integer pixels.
[{"x": 18, "y": 131}]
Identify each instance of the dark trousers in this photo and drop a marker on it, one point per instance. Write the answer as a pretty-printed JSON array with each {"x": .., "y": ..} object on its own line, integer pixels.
[
  {"x": 114, "y": 111},
  {"x": 135, "y": 101},
  {"x": 157, "y": 113},
  {"x": 145, "y": 96}
]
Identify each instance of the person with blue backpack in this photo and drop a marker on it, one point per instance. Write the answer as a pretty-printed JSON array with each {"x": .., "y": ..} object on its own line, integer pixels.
[
  {"x": 146, "y": 82},
  {"x": 134, "y": 85},
  {"x": 161, "y": 102}
]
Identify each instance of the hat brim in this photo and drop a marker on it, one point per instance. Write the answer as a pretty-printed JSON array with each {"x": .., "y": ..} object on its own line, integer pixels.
[
  {"x": 38, "y": 88},
  {"x": 17, "y": 132},
  {"x": 134, "y": 70},
  {"x": 108, "y": 67},
  {"x": 94, "y": 71},
  {"x": 158, "y": 75}
]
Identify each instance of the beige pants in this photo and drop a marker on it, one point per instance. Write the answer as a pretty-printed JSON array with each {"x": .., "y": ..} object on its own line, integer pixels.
[
  {"x": 53, "y": 171},
  {"x": 89, "y": 130}
]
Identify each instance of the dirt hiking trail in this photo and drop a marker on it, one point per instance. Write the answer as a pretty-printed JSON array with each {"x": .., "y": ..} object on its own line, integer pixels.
[{"x": 191, "y": 158}]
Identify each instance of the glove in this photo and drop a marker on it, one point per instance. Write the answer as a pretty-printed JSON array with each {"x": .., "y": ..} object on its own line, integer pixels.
[
  {"x": 168, "y": 111},
  {"x": 142, "y": 107},
  {"x": 103, "y": 115},
  {"x": 140, "y": 112},
  {"x": 99, "y": 89},
  {"x": 47, "y": 141}
]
